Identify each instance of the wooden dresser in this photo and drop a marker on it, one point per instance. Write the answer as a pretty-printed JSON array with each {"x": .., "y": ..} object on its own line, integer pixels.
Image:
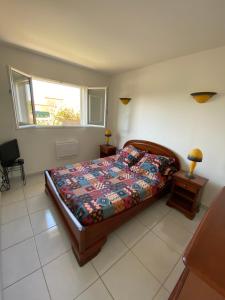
[{"x": 204, "y": 275}]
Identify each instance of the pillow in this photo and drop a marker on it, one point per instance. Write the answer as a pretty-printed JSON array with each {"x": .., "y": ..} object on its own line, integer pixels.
[
  {"x": 130, "y": 155},
  {"x": 152, "y": 163}
]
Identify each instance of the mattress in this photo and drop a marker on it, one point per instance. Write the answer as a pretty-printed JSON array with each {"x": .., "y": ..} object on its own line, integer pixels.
[{"x": 98, "y": 189}]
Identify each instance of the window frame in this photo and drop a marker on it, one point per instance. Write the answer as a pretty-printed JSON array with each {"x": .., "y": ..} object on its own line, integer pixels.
[
  {"x": 83, "y": 102},
  {"x": 13, "y": 94},
  {"x": 105, "y": 107}
]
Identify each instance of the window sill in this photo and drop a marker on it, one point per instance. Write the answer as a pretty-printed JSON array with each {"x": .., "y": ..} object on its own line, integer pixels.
[{"x": 58, "y": 127}]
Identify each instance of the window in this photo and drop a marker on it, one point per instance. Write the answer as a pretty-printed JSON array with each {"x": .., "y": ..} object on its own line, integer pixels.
[
  {"x": 39, "y": 102},
  {"x": 24, "y": 105},
  {"x": 96, "y": 106}
]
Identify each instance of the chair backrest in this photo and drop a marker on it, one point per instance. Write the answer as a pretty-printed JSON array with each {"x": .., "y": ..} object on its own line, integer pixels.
[{"x": 9, "y": 151}]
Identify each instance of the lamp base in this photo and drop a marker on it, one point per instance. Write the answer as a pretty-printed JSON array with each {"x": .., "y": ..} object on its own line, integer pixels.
[{"x": 190, "y": 176}]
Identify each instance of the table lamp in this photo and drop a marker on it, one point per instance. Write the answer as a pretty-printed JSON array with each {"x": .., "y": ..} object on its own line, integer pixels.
[
  {"x": 108, "y": 134},
  {"x": 195, "y": 155}
]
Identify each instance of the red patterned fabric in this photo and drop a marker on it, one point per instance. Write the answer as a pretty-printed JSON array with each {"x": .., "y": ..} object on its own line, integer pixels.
[
  {"x": 151, "y": 163},
  {"x": 130, "y": 155}
]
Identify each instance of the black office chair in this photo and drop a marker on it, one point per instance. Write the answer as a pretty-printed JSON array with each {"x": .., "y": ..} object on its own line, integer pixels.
[{"x": 10, "y": 160}]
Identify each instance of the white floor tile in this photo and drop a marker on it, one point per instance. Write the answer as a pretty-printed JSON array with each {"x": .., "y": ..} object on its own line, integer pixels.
[
  {"x": 181, "y": 220},
  {"x": 131, "y": 232},
  {"x": 174, "y": 276},
  {"x": 52, "y": 243},
  {"x": 156, "y": 255},
  {"x": 154, "y": 213},
  {"x": 66, "y": 279},
  {"x": 12, "y": 196},
  {"x": 112, "y": 250},
  {"x": 19, "y": 261},
  {"x": 124, "y": 273},
  {"x": 44, "y": 219},
  {"x": 35, "y": 178},
  {"x": 175, "y": 236},
  {"x": 15, "y": 231},
  {"x": 32, "y": 287},
  {"x": 95, "y": 292},
  {"x": 38, "y": 202},
  {"x": 31, "y": 190},
  {"x": 16, "y": 183},
  {"x": 128, "y": 280},
  {"x": 13, "y": 211},
  {"x": 162, "y": 294}
]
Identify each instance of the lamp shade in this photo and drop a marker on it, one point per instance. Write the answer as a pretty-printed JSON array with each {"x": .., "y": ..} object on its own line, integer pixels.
[
  {"x": 195, "y": 155},
  {"x": 202, "y": 97},
  {"x": 125, "y": 101},
  {"x": 108, "y": 133}
]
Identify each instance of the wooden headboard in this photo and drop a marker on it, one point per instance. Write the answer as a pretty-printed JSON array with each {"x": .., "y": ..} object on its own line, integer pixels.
[{"x": 154, "y": 149}]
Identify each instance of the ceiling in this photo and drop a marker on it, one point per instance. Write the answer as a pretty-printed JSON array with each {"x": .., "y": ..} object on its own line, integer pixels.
[{"x": 113, "y": 36}]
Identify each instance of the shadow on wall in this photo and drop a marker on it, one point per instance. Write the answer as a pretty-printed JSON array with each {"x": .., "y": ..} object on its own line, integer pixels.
[
  {"x": 210, "y": 192},
  {"x": 121, "y": 139}
]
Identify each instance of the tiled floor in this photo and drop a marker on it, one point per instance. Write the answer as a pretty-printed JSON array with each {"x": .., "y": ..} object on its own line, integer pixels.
[{"x": 140, "y": 260}]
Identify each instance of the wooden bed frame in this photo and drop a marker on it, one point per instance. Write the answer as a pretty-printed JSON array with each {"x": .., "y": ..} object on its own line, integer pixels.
[{"x": 87, "y": 241}]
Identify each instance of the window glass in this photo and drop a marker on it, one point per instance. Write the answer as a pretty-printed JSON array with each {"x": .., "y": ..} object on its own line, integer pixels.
[
  {"x": 22, "y": 91},
  {"x": 96, "y": 106},
  {"x": 56, "y": 104}
]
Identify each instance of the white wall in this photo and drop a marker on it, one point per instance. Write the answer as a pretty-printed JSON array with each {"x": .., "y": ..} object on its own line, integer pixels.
[
  {"x": 162, "y": 110},
  {"x": 37, "y": 145}
]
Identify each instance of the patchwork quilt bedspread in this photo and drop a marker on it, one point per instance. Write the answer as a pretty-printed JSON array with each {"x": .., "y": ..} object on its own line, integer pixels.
[{"x": 98, "y": 189}]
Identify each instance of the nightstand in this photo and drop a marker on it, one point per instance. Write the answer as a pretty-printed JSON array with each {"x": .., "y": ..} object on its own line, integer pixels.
[
  {"x": 107, "y": 150},
  {"x": 186, "y": 193}
]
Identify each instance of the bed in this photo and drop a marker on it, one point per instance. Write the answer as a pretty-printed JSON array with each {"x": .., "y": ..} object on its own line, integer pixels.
[{"x": 96, "y": 197}]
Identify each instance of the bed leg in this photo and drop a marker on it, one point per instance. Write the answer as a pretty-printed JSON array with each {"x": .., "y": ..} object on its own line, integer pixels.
[{"x": 89, "y": 253}]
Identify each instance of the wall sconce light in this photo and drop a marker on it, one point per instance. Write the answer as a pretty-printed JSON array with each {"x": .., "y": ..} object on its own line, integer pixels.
[
  {"x": 202, "y": 97},
  {"x": 125, "y": 101}
]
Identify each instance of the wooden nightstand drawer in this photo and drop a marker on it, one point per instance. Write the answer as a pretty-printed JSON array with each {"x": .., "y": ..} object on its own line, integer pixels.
[{"x": 187, "y": 186}]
